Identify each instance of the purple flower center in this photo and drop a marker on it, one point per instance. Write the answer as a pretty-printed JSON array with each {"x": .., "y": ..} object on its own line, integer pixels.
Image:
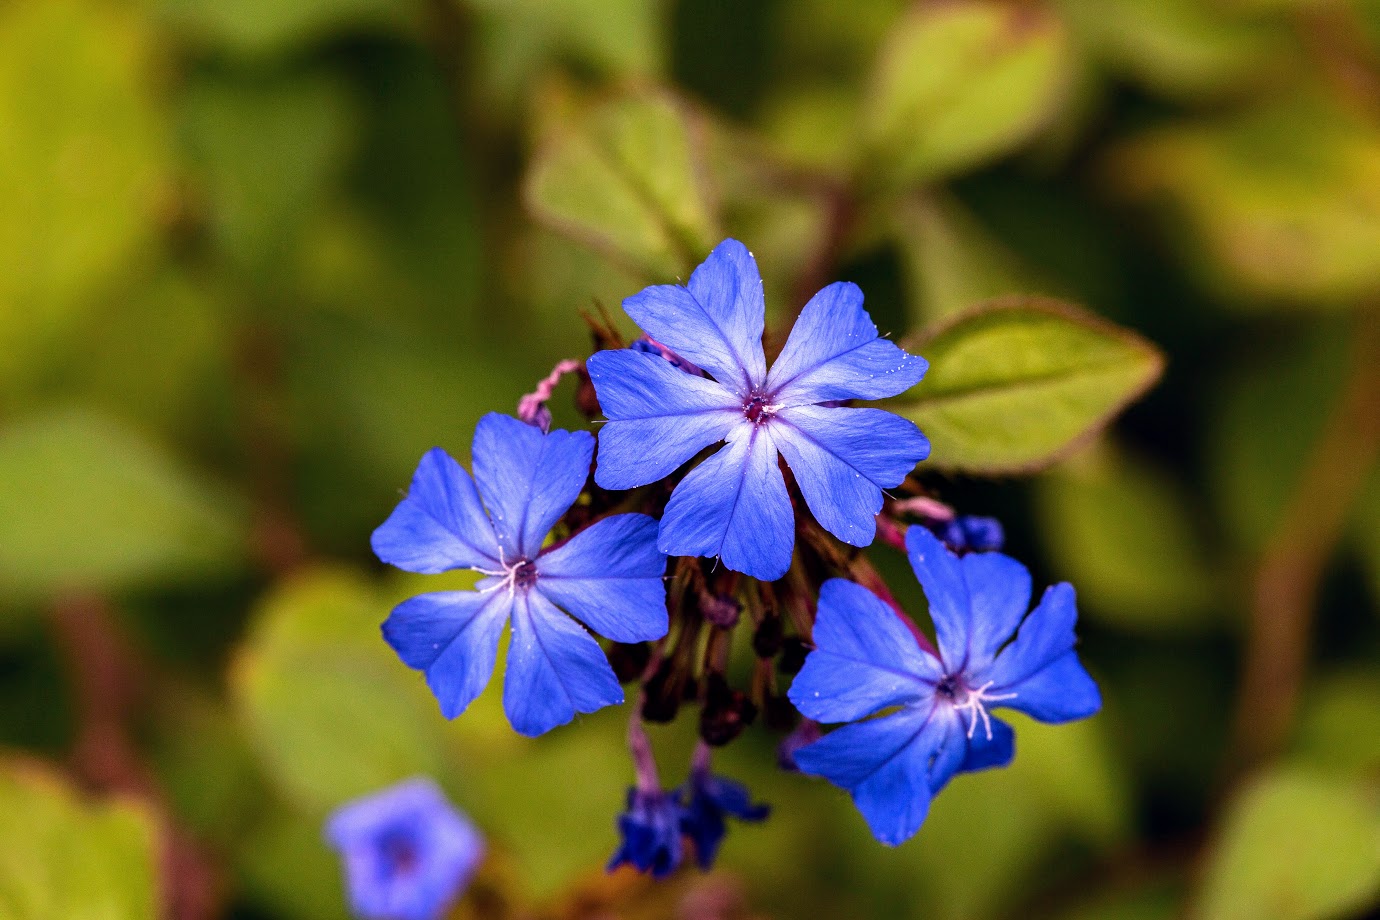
[
  {"x": 949, "y": 688},
  {"x": 399, "y": 851},
  {"x": 758, "y": 408},
  {"x": 524, "y": 574}
]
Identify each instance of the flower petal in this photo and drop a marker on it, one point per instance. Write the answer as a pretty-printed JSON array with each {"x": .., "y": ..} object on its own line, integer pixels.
[
  {"x": 834, "y": 353},
  {"x": 998, "y": 597},
  {"x": 984, "y": 752},
  {"x": 864, "y": 659},
  {"x": 555, "y": 669},
  {"x": 1061, "y": 692},
  {"x": 946, "y": 590},
  {"x": 659, "y": 417},
  {"x": 734, "y": 505},
  {"x": 440, "y": 525},
  {"x": 609, "y": 576},
  {"x": 715, "y": 321},
  {"x": 843, "y": 458},
  {"x": 884, "y": 763},
  {"x": 528, "y": 479},
  {"x": 453, "y": 637}
]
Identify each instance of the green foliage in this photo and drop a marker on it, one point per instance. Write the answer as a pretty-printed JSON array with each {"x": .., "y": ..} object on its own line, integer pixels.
[
  {"x": 960, "y": 84},
  {"x": 258, "y": 29},
  {"x": 62, "y": 858},
  {"x": 1295, "y": 846},
  {"x": 1014, "y": 384},
  {"x": 627, "y": 178},
  {"x": 86, "y": 504},
  {"x": 327, "y": 706},
  {"x": 1278, "y": 203},
  {"x": 1124, "y": 533},
  {"x": 82, "y": 167}
]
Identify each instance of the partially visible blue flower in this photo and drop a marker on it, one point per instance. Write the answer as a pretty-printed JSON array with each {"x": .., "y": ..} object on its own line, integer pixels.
[
  {"x": 650, "y": 831},
  {"x": 970, "y": 533},
  {"x": 866, "y": 661},
  {"x": 709, "y": 799},
  {"x": 407, "y": 854},
  {"x": 608, "y": 576},
  {"x": 734, "y": 505}
]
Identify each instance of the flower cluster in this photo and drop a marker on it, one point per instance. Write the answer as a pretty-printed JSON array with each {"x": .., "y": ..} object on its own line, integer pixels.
[{"x": 730, "y": 493}]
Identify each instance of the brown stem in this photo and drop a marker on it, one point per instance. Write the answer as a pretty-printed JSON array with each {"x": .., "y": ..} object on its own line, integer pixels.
[
  {"x": 824, "y": 261},
  {"x": 1283, "y": 590},
  {"x": 109, "y": 685}
]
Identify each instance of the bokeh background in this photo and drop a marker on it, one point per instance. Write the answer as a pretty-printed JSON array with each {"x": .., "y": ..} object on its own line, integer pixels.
[{"x": 256, "y": 256}]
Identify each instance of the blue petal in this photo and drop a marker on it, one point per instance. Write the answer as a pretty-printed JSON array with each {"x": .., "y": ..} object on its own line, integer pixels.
[
  {"x": 950, "y": 739},
  {"x": 946, "y": 590},
  {"x": 715, "y": 321},
  {"x": 609, "y": 576},
  {"x": 453, "y": 637},
  {"x": 864, "y": 658},
  {"x": 734, "y": 505},
  {"x": 440, "y": 525},
  {"x": 659, "y": 417},
  {"x": 834, "y": 353},
  {"x": 843, "y": 458},
  {"x": 976, "y": 601},
  {"x": 998, "y": 597},
  {"x": 884, "y": 763},
  {"x": 555, "y": 669},
  {"x": 1061, "y": 692},
  {"x": 984, "y": 752},
  {"x": 528, "y": 479}
]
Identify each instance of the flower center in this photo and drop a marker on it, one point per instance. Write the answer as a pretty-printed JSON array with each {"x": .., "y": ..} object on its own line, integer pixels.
[
  {"x": 758, "y": 408},
  {"x": 958, "y": 694},
  {"x": 399, "y": 851},
  {"x": 519, "y": 574}
]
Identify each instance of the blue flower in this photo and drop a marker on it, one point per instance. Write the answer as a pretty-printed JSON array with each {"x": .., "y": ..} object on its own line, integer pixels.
[
  {"x": 866, "y": 661},
  {"x": 709, "y": 799},
  {"x": 734, "y": 505},
  {"x": 971, "y": 533},
  {"x": 650, "y": 828},
  {"x": 609, "y": 576},
  {"x": 407, "y": 853}
]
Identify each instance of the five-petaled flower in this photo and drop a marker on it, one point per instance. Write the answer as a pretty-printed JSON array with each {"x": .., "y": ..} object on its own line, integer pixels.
[
  {"x": 866, "y": 661},
  {"x": 735, "y": 505},
  {"x": 407, "y": 853},
  {"x": 609, "y": 576}
]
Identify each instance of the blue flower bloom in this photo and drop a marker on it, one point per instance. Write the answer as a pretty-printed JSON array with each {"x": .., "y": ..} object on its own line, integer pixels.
[
  {"x": 734, "y": 505},
  {"x": 866, "y": 660},
  {"x": 407, "y": 853},
  {"x": 971, "y": 533},
  {"x": 650, "y": 828},
  {"x": 609, "y": 576},
  {"x": 709, "y": 799}
]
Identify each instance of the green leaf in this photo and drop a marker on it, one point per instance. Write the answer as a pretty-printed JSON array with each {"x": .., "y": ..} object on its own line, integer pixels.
[
  {"x": 1339, "y": 727},
  {"x": 1269, "y": 215},
  {"x": 266, "y": 154},
  {"x": 62, "y": 858},
  {"x": 264, "y": 28},
  {"x": 285, "y": 865},
  {"x": 1121, "y": 529},
  {"x": 88, "y": 504},
  {"x": 82, "y": 162},
  {"x": 1183, "y": 49},
  {"x": 1295, "y": 846},
  {"x": 1016, "y": 383},
  {"x": 628, "y": 179},
  {"x": 328, "y": 707},
  {"x": 960, "y": 84}
]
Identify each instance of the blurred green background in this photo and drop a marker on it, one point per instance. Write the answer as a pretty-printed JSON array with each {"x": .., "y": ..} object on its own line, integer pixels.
[{"x": 256, "y": 256}]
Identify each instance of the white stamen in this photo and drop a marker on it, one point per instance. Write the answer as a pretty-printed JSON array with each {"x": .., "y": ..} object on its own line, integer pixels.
[{"x": 974, "y": 702}]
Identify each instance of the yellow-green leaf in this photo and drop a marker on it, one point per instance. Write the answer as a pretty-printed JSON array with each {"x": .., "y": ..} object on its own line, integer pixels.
[
  {"x": 1015, "y": 383},
  {"x": 958, "y": 84}
]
